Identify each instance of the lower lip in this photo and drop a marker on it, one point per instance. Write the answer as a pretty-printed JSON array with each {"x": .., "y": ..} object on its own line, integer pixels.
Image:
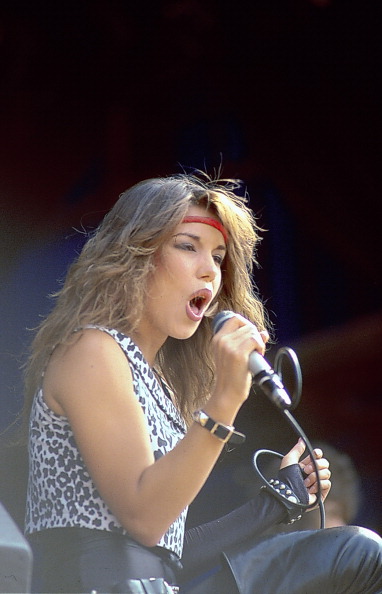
[{"x": 192, "y": 315}]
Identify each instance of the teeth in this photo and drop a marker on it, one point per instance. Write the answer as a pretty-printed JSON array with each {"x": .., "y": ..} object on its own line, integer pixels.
[{"x": 198, "y": 300}]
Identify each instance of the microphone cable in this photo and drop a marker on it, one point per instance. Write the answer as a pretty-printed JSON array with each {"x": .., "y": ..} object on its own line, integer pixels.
[
  {"x": 282, "y": 353},
  {"x": 284, "y": 406}
]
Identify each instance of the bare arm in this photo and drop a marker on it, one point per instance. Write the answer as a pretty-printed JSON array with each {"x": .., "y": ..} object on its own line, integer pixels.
[{"x": 90, "y": 383}]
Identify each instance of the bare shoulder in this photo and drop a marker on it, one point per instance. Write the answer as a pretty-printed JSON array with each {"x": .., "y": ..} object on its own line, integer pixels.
[
  {"x": 91, "y": 348},
  {"x": 91, "y": 339},
  {"x": 93, "y": 362}
]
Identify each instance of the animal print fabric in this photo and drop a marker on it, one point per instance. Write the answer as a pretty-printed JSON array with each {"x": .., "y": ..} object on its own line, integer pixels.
[{"x": 60, "y": 491}]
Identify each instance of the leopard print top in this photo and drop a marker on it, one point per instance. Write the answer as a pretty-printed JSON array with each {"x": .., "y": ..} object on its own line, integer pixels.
[{"x": 60, "y": 491}]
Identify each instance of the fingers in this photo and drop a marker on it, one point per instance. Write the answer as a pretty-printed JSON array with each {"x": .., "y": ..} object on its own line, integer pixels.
[
  {"x": 232, "y": 346},
  {"x": 318, "y": 454},
  {"x": 307, "y": 465},
  {"x": 312, "y": 479},
  {"x": 264, "y": 335},
  {"x": 311, "y": 482},
  {"x": 322, "y": 465},
  {"x": 294, "y": 455},
  {"x": 240, "y": 330}
]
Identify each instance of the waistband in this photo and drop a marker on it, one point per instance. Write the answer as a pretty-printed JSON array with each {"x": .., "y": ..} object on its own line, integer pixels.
[
  {"x": 166, "y": 564},
  {"x": 171, "y": 558},
  {"x": 151, "y": 585}
]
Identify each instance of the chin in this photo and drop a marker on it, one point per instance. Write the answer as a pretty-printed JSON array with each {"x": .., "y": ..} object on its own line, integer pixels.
[{"x": 184, "y": 335}]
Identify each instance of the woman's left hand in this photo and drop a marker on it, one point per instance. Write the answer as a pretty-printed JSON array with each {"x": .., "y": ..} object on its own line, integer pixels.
[{"x": 306, "y": 465}]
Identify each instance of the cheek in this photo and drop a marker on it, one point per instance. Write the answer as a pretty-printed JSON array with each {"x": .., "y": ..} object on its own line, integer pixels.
[
  {"x": 155, "y": 282},
  {"x": 166, "y": 277},
  {"x": 218, "y": 283}
]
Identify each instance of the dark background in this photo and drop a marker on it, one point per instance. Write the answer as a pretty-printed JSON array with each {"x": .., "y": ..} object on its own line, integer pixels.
[{"x": 286, "y": 95}]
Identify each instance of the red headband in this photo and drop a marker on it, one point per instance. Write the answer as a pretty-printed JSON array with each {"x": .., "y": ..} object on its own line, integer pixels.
[{"x": 208, "y": 221}]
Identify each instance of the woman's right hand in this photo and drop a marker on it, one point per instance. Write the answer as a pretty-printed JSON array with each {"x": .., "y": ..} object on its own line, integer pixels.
[{"x": 232, "y": 346}]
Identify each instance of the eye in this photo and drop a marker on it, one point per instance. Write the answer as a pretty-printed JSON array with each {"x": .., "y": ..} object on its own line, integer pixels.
[
  {"x": 218, "y": 258},
  {"x": 188, "y": 247}
]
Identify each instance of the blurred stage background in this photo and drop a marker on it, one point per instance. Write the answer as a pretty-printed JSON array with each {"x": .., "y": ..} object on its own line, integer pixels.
[{"x": 284, "y": 94}]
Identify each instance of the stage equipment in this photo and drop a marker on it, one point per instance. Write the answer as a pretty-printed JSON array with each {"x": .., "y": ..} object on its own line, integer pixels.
[{"x": 15, "y": 557}]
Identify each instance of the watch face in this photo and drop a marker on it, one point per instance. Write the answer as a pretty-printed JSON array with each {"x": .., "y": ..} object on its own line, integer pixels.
[
  {"x": 203, "y": 418},
  {"x": 200, "y": 417}
]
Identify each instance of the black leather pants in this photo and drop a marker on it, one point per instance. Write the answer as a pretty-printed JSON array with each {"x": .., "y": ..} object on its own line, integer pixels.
[{"x": 332, "y": 561}]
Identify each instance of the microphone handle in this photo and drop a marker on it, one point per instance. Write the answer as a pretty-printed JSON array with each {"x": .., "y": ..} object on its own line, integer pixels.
[
  {"x": 263, "y": 374},
  {"x": 268, "y": 380}
]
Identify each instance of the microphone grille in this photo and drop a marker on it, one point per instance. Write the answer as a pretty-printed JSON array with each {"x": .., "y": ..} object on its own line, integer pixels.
[{"x": 220, "y": 319}]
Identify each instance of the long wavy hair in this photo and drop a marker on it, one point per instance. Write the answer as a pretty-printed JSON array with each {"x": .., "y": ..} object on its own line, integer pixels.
[{"x": 106, "y": 284}]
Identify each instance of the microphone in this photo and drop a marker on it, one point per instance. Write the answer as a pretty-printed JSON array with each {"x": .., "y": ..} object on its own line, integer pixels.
[{"x": 263, "y": 374}]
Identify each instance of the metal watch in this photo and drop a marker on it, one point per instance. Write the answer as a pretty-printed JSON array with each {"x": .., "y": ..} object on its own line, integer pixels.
[{"x": 226, "y": 433}]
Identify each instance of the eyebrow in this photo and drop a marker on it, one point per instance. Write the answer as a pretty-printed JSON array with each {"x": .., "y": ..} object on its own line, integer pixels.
[{"x": 221, "y": 247}]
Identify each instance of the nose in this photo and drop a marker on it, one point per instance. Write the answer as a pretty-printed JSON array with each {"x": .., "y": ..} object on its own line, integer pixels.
[{"x": 208, "y": 268}]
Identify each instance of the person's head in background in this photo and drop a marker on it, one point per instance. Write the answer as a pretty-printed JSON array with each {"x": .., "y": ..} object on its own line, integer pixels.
[{"x": 343, "y": 501}]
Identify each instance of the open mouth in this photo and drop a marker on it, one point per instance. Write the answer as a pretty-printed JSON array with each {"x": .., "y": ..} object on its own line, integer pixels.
[{"x": 199, "y": 303}]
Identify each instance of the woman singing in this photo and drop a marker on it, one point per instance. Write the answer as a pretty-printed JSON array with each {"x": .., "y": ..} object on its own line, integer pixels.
[{"x": 132, "y": 399}]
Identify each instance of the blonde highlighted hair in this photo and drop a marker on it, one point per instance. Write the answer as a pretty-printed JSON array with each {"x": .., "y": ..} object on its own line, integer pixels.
[{"x": 106, "y": 284}]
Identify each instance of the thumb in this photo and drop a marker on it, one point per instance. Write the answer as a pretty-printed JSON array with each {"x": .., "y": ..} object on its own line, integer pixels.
[{"x": 294, "y": 455}]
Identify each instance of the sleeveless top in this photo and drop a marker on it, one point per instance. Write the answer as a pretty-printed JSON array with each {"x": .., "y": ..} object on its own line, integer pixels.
[{"x": 61, "y": 492}]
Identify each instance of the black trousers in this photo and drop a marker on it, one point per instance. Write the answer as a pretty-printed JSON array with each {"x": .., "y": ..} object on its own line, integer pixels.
[{"x": 331, "y": 561}]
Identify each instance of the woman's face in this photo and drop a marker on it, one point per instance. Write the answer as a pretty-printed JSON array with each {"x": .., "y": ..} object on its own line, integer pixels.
[{"x": 186, "y": 279}]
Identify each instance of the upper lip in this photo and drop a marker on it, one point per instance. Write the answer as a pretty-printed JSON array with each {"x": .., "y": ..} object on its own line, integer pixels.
[{"x": 205, "y": 295}]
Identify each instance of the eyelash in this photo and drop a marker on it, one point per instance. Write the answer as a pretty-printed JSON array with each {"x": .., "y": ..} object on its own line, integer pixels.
[
  {"x": 191, "y": 248},
  {"x": 219, "y": 260}
]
